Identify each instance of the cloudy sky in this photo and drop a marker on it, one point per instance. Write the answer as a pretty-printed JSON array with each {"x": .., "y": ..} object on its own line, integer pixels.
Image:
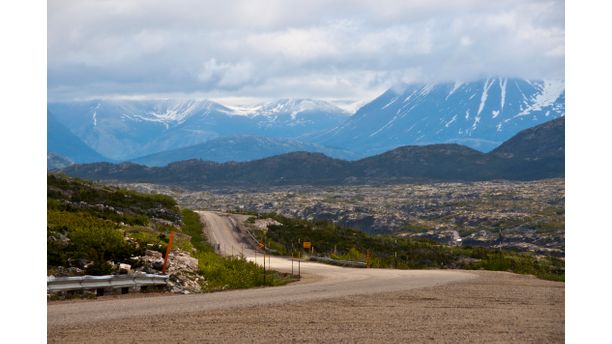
[{"x": 245, "y": 51}]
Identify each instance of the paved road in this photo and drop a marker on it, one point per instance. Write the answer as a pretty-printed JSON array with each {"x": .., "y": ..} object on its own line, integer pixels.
[{"x": 319, "y": 282}]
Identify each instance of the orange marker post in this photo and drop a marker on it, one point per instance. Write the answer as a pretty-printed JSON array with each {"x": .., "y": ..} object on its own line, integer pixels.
[{"x": 168, "y": 251}]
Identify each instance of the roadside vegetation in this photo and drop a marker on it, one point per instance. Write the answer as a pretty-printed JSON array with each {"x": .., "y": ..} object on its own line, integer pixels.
[
  {"x": 225, "y": 272},
  {"x": 92, "y": 227},
  {"x": 385, "y": 251}
]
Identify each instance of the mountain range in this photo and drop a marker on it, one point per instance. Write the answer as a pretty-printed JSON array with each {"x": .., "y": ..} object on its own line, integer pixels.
[
  {"x": 479, "y": 114},
  {"x": 534, "y": 153},
  {"x": 128, "y": 129}
]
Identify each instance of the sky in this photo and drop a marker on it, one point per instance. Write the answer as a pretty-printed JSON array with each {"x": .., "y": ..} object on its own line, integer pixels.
[{"x": 242, "y": 52}]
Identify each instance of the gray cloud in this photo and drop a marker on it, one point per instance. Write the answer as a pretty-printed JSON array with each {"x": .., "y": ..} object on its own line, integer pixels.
[{"x": 269, "y": 49}]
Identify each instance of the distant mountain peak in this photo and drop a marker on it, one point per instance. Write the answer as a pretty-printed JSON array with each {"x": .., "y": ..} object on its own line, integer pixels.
[
  {"x": 167, "y": 111},
  {"x": 290, "y": 106},
  {"x": 480, "y": 114}
]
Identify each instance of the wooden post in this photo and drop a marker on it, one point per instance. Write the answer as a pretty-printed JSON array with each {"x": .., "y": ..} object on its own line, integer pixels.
[
  {"x": 168, "y": 251},
  {"x": 299, "y": 258},
  {"x": 264, "y": 258},
  {"x": 395, "y": 261},
  {"x": 264, "y": 264}
]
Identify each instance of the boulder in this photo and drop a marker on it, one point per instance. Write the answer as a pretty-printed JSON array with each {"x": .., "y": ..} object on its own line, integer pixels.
[
  {"x": 154, "y": 254},
  {"x": 124, "y": 268}
]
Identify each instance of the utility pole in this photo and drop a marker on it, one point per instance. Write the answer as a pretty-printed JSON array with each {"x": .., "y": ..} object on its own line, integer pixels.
[{"x": 291, "y": 257}]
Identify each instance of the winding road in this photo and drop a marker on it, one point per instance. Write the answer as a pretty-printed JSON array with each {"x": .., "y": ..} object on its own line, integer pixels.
[{"x": 319, "y": 281}]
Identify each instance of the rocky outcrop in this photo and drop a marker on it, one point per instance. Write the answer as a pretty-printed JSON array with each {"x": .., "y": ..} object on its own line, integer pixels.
[{"x": 183, "y": 271}]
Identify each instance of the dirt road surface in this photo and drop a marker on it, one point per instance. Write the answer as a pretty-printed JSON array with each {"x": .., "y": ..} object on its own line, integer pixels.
[{"x": 330, "y": 304}]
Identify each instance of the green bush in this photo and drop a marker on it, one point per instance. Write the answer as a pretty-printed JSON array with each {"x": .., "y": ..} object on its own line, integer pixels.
[{"x": 352, "y": 254}]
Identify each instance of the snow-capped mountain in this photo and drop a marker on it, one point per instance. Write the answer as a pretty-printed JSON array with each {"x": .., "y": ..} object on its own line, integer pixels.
[
  {"x": 293, "y": 107},
  {"x": 125, "y": 129},
  {"x": 480, "y": 114},
  {"x": 294, "y": 116}
]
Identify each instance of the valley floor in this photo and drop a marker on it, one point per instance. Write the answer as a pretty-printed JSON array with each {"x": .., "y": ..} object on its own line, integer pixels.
[{"x": 495, "y": 307}]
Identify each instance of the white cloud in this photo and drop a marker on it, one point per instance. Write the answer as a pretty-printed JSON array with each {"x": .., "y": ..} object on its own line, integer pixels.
[
  {"x": 226, "y": 74},
  {"x": 341, "y": 49}
]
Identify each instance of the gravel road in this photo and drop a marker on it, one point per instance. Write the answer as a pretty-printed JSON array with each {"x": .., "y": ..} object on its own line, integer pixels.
[{"x": 330, "y": 304}]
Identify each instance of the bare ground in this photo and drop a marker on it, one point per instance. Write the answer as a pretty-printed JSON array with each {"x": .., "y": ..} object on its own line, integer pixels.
[{"x": 497, "y": 307}]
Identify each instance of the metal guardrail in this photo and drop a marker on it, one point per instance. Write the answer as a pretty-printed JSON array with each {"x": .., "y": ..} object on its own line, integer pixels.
[
  {"x": 346, "y": 263},
  {"x": 110, "y": 281}
]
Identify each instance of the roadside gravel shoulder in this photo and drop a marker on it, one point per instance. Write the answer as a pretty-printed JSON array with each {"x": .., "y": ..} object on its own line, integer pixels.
[{"x": 496, "y": 307}]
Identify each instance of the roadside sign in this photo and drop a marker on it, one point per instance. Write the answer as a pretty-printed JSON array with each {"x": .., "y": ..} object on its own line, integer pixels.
[{"x": 307, "y": 244}]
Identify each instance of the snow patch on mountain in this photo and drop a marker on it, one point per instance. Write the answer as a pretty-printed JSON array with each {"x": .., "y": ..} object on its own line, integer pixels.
[
  {"x": 391, "y": 102},
  {"x": 484, "y": 96},
  {"x": 502, "y": 85},
  {"x": 550, "y": 91},
  {"x": 289, "y": 106},
  {"x": 451, "y": 121},
  {"x": 167, "y": 112},
  {"x": 296, "y": 106},
  {"x": 456, "y": 86}
]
